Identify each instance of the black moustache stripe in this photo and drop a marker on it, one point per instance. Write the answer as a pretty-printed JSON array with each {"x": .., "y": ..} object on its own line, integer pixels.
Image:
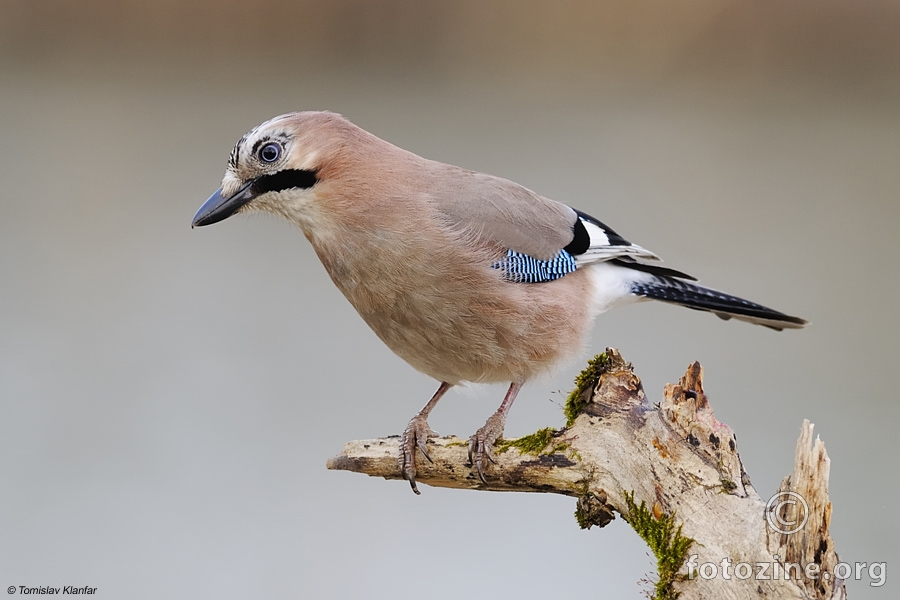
[{"x": 284, "y": 180}]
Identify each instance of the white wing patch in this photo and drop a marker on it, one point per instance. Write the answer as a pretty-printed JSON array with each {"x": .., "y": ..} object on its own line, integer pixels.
[
  {"x": 598, "y": 234},
  {"x": 600, "y": 250}
]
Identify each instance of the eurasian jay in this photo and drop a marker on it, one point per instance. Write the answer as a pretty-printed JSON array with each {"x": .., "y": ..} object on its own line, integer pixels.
[{"x": 466, "y": 276}]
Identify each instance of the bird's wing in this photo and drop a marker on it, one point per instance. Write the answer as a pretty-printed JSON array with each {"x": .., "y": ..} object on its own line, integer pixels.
[
  {"x": 595, "y": 242},
  {"x": 540, "y": 234},
  {"x": 500, "y": 212}
]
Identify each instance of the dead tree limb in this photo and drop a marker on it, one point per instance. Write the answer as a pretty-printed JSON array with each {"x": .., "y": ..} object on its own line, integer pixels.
[{"x": 672, "y": 471}]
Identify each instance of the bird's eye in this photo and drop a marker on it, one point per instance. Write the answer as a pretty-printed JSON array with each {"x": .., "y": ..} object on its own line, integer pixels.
[{"x": 270, "y": 152}]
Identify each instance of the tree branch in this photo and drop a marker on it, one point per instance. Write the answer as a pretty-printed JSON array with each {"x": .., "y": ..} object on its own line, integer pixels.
[{"x": 672, "y": 471}]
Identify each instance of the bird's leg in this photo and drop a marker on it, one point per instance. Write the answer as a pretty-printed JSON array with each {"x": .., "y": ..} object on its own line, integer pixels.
[
  {"x": 480, "y": 444},
  {"x": 415, "y": 436}
]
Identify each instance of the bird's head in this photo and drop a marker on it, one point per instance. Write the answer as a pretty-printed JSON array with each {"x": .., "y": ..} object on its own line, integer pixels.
[{"x": 276, "y": 166}]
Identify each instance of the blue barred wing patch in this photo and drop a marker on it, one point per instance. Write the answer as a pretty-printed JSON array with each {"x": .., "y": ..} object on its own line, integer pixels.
[{"x": 522, "y": 268}]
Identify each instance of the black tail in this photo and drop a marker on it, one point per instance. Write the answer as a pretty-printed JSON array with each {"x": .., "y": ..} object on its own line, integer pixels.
[{"x": 725, "y": 306}]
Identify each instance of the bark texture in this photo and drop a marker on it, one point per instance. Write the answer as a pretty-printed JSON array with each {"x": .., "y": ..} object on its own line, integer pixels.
[{"x": 672, "y": 471}]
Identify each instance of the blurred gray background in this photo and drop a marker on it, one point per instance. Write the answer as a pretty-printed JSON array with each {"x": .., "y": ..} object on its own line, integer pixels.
[{"x": 169, "y": 397}]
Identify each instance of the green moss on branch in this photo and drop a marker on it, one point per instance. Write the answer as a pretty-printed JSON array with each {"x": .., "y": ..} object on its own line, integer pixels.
[
  {"x": 534, "y": 443},
  {"x": 584, "y": 383},
  {"x": 665, "y": 540}
]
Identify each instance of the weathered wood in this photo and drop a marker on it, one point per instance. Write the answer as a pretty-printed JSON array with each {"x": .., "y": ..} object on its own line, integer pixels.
[{"x": 672, "y": 471}]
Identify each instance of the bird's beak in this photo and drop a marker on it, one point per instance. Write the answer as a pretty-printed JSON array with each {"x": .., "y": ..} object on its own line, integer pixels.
[{"x": 218, "y": 207}]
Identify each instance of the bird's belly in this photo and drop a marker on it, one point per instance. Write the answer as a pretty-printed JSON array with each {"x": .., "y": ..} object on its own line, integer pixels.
[{"x": 481, "y": 331}]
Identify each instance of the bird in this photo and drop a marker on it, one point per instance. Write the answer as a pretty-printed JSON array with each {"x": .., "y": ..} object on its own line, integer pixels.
[{"x": 468, "y": 277}]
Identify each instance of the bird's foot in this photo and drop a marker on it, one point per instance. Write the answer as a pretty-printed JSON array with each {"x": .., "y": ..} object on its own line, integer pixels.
[
  {"x": 414, "y": 436},
  {"x": 482, "y": 443}
]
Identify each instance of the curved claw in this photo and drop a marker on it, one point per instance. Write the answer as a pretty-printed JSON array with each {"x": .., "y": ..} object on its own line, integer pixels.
[
  {"x": 481, "y": 443},
  {"x": 414, "y": 436},
  {"x": 480, "y": 447},
  {"x": 479, "y": 468},
  {"x": 476, "y": 451},
  {"x": 420, "y": 444}
]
